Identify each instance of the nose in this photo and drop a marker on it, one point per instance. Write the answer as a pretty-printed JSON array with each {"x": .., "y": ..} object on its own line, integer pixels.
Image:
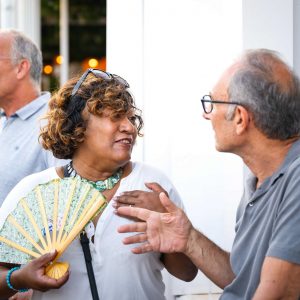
[{"x": 127, "y": 126}]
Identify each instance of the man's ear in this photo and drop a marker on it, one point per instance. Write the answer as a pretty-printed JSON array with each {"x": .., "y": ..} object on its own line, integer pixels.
[
  {"x": 242, "y": 119},
  {"x": 23, "y": 69}
]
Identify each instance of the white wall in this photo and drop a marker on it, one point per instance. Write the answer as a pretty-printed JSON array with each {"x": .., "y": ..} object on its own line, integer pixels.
[
  {"x": 296, "y": 30},
  {"x": 171, "y": 52},
  {"x": 23, "y": 15},
  {"x": 270, "y": 24}
]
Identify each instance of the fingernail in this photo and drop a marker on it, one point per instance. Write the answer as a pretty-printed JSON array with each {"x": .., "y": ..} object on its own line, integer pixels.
[{"x": 114, "y": 205}]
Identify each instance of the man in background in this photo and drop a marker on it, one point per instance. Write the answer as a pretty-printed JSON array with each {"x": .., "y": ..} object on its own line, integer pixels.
[
  {"x": 22, "y": 104},
  {"x": 254, "y": 110}
]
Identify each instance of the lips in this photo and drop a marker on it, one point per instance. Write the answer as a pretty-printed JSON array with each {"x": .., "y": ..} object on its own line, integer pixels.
[{"x": 126, "y": 141}]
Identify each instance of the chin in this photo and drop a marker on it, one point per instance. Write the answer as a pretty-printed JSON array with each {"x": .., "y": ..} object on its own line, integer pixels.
[
  {"x": 122, "y": 161},
  {"x": 219, "y": 148}
]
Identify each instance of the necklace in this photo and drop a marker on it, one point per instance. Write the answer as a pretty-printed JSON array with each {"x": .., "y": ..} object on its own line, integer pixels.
[{"x": 100, "y": 185}]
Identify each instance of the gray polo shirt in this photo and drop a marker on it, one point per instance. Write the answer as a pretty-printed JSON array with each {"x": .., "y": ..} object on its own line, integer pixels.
[
  {"x": 20, "y": 152},
  {"x": 268, "y": 224}
]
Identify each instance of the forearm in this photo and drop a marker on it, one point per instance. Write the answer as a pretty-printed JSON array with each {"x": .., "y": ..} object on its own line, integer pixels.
[
  {"x": 209, "y": 258},
  {"x": 5, "y": 291},
  {"x": 180, "y": 266}
]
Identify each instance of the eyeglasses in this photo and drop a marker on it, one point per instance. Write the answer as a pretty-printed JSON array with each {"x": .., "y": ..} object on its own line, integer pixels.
[
  {"x": 207, "y": 103},
  {"x": 99, "y": 74}
]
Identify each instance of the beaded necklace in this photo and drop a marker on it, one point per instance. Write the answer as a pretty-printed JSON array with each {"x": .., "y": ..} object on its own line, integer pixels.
[{"x": 100, "y": 185}]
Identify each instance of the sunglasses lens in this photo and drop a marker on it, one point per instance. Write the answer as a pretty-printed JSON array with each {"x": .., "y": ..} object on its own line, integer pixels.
[
  {"x": 108, "y": 76},
  {"x": 101, "y": 74}
]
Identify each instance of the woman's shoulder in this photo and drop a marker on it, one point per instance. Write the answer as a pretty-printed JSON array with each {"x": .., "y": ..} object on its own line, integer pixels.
[
  {"x": 145, "y": 168},
  {"x": 34, "y": 179},
  {"x": 25, "y": 186}
]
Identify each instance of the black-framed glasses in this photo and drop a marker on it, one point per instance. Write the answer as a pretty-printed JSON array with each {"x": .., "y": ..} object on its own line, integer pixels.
[
  {"x": 207, "y": 103},
  {"x": 99, "y": 74}
]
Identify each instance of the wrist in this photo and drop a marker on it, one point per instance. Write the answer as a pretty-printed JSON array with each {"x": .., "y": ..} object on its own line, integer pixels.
[
  {"x": 13, "y": 280},
  {"x": 191, "y": 245}
]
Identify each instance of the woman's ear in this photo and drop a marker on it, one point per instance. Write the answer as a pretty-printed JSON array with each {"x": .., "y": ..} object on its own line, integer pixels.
[
  {"x": 242, "y": 119},
  {"x": 23, "y": 69}
]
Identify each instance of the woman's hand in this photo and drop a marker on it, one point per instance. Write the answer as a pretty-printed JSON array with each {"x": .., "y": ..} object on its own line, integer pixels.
[
  {"x": 142, "y": 199},
  {"x": 33, "y": 275}
]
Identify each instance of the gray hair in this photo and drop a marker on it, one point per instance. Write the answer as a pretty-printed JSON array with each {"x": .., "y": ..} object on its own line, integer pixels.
[
  {"x": 24, "y": 48},
  {"x": 270, "y": 90}
]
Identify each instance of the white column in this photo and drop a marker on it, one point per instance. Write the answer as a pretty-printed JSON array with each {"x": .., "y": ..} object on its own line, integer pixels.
[
  {"x": 173, "y": 51},
  {"x": 29, "y": 19},
  {"x": 64, "y": 39},
  {"x": 269, "y": 24},
  {"x": 125, "y": 49},
  {"x": 297, "y": 36},
  {"x": 8, "y": 13}
]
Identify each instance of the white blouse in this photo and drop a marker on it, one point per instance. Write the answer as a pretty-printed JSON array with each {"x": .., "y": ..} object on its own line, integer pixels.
[{"x": 119, "y": 273}]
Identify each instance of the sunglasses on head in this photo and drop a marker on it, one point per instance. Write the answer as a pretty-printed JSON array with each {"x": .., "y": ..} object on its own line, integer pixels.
[{"x": 99, "y": 74}]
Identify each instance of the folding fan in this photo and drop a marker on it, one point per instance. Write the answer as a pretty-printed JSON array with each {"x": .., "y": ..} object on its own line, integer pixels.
[{"x": 49, "y": 217}]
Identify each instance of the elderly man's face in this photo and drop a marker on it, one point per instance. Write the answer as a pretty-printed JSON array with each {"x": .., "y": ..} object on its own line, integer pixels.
[
  {"x": 7, "y": 70},
  {"x": 223, "y": 128}
]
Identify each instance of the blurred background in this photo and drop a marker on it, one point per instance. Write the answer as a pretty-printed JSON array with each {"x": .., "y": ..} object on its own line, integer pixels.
[
  {"x": 171, "y": 52},
  {"x": 87, "y": 20},
  {"x": 56, "y": 26}
]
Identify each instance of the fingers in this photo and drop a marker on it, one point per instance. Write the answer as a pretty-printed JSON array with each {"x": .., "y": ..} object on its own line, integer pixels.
[
  {"x": 167, "y": 203},
  {"x": 51, "y": 283},
  {"x": 46, "y": 258},
  {"x": 129, "y": 194},
  {"x": 34, "y": 274},
  {"x": 126, "y": 198},
  {"x": 133, "y": 227},
  {"x": 134, "y": 239},
  {"x": 140, "y": 213},
  {"x": 154, "y": 187},
  {"x": 146, "y": 247}
]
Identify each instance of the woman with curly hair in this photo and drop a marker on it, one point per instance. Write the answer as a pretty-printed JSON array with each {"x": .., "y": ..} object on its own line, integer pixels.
[{"x": 94, "y": 122}]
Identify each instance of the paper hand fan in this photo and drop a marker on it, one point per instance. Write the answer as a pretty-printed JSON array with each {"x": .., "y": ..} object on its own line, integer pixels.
[{"x": 48, "y": 218}]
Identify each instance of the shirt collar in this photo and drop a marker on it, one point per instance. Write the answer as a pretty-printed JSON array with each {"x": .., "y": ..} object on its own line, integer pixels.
[
  {"x": 29, "y": 109},
  {"x": 293, "y": 153}
]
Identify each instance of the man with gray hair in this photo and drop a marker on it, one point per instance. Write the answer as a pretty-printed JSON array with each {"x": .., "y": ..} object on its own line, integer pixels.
[
  {"x": 22, "y": 104},
  {"x": 254, "y": 110}
]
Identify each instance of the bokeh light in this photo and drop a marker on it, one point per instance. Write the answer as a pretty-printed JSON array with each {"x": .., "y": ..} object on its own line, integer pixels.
[{"x": 48, "y": 69}]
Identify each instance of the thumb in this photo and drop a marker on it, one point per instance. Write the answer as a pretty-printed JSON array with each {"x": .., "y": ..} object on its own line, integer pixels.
[
  {"x": 167, "y": 203},
  {"x": 155, "y": 187},
  {"x": 47, "y": 258}
]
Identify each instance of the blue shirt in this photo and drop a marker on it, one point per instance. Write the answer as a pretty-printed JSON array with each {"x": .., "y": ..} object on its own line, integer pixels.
[
  {"x": 268, "y": 225},
  {"x": 20, "y": 151}
]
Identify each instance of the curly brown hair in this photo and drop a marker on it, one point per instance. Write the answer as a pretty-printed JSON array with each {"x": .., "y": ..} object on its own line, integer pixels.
[{"x": 65, "y": 123}]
